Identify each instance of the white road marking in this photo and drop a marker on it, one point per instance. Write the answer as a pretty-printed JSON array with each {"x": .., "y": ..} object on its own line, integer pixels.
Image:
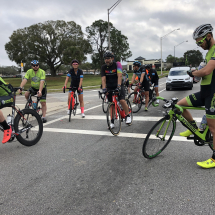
[{"x": 108, "y": 133}]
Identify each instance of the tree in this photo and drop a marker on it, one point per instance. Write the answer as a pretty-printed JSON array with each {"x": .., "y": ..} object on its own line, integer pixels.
[
  {"x": 170, "y": 59},
  {"x": 52, "y": 42},
  {"x": 193, "y": 57},
  {"x": 98, "y": 38}
]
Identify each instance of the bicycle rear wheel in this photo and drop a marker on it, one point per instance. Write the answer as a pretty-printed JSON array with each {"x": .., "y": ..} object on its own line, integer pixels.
[
  {"x": 105, "y": 104},
  {"x": 113, "y": 119},
  {"x": 39, "y": 109},
  {"x": 136, "y": 101},
  {"x": 76, "y": 104},
  {"x": 29, "y": 126},
  {"x": 158, "y": 137}
]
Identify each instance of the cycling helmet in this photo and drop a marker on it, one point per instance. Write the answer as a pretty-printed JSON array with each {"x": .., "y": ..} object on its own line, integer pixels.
[
  {"x": 202, "y": 30},
  {"x": 34, "y": 62},
  {"x": 148, "y": 66},
  {"x": 137, "y": 63},
  {"x": 124, "y": 71},
  {"x": 108, "y": 54},
  {"x": 74, "y": 61}
]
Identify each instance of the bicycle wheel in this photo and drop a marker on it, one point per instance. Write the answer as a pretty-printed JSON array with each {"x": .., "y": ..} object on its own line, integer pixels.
[
  {"x": 28, "y": 105},
  {"x": 209, "y": 139},
  {"x": 113, "y": 119},
  {"x": 39, "y": 109},
  {"x": 130, "y": 111},
  {"x": 75, "y": 107},
  {"x": 70, "y": 108},
  {"x": 136, "y": 101},
  {"x": 29, "y": 127},
  {"x": 105, "y": 104},
  {"x": 158, "y": 137}
]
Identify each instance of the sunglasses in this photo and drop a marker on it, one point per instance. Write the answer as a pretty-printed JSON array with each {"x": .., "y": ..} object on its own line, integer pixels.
[
  {"x": 107, "y": 58},
  {"x": 75, "y": 64},
  {"x": 201, "y": 41},
  {"x": 35, "y": 65}
]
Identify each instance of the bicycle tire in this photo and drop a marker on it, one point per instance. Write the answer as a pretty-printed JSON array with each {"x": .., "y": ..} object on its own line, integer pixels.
[
  {"x": 152, "y": 145},
  {"x": 70, "y": 108},
  {"x": 27, "y": 105},
  {"x": 209, "y": 139},
  {"x": 28, "y": 118},
  {"x": 130, "y": 111},
  {"x": 136, "y": 101},
  {"x": 117, "y": 121},
  {"x": 75, "y": 107},
  {"x": 105, "y": 104},
  {"x": 39, "y": 109}
]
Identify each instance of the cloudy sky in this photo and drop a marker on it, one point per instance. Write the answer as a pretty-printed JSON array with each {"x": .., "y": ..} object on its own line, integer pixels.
[{"x": 143, "y": 22}]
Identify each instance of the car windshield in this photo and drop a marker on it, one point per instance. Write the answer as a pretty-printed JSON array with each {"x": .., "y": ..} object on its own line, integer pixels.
[{"x": 177, "y": 72}]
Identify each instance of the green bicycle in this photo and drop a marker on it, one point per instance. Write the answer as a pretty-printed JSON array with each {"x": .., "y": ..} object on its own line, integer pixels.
[{"x": 163, "y": 131}]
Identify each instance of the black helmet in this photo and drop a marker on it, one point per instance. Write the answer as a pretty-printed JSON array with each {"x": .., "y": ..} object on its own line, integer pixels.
[
  {"x": 108, "y": 54},
  {"x": 137, "y": 63},
  {"x": 202, "y": 31},
  {"x": 74, "y": 61},
  {"x": 148, "y": 66}
]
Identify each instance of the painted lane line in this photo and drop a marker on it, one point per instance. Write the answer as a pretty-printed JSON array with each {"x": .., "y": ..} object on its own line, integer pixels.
[{"x": 107, "y": 133}]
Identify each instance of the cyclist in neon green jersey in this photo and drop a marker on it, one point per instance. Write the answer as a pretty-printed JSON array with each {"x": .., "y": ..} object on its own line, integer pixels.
[
  {"x": 206, "y": 97},
  {"x": 37, "y": 77}
]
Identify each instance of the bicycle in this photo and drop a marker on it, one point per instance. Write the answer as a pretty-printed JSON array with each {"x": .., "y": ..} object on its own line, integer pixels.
[
  {"x": 136, "y": 99},
  {"x": 152, "y": 94},
  {"x": 104, "y": 101},
  {"x": 116, "y": 113},
  {"x": 34, "y": 105},
  {"x": 162, "y": 132},
  {"x": 73, "y": 103},
  {"x": 26, "y": 126}
]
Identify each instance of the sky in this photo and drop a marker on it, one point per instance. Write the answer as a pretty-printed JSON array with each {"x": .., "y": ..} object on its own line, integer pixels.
[{"x": 142, "y": 22}]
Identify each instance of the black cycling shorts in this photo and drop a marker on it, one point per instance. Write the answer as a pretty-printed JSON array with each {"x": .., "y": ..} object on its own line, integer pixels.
[
  {"x": 121, "y": 94},
  {"x": 196, "y": 100},
  {"x": 6, "y": 101},
  {"x": 34, "y": 92},
  {"x": 145, "y": 86},
  {"x": 155, "y": 83}
]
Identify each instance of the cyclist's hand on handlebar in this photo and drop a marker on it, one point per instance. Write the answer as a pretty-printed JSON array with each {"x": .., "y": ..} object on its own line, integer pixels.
[
  {"x": 20, "y": 91},
  {"x": 190, "y": 73},
  {"x": 39, "y": 94},
  {"x": 139, "y": 84},
  {"x": 79, "y": 90},
  {"x": 104, "y": 90}
]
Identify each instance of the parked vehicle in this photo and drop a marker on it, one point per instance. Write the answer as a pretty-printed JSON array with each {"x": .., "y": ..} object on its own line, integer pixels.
[{"x": 178, "y": 78}]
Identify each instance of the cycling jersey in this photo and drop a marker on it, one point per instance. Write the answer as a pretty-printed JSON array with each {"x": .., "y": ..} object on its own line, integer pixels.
[
  {"x": 208, "y": 80},
  {"x": 111, "y": 74},
  {"x": 6, "y": 97},
  {"x": 35, "y": 78},
  {"x": 75, "y": 78},
  {"x": 124, "y": 77},
  {"x": 139, "y": 72},
  {"x": 153, "y": 76}
]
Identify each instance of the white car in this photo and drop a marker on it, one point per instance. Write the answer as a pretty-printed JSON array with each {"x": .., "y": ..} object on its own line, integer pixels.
[{"x": 178, "y": 78}]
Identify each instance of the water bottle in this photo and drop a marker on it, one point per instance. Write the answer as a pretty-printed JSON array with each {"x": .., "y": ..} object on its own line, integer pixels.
[
  {"x": 34, "y": 105},
  {"x": 9, "y": 119},
  {"x": 201, "y": 65},
  {"x": 203, "y": 123}
]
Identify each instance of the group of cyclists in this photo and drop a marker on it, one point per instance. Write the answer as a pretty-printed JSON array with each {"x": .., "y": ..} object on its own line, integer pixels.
[{"x": 115, "y": 79}]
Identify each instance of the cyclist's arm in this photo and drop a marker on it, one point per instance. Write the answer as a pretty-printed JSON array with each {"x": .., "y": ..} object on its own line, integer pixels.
[
  {"x": 41, "y": 85},
  {"x": 81, "y": 79},
  {"x": 119, "y": 73},
  {"x": 133, "y": 78},
  {"x": 24, "y": 81},
  {"x": 208, "y": 69},
  {"x": 66, "y": 81},
  {"x": 103, "y": 82},
  {"x": 142, "y": 77}
]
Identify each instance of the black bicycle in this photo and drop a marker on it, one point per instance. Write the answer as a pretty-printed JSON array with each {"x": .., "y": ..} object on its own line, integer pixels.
[
  {"x": 27, "y": 125},
  {"x": 104, "y": 101}
]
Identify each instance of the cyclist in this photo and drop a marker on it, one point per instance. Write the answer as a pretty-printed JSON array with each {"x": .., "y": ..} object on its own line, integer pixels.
[
  {"x": 143, "y": 81},
  {"x": 76, "y": 75},
  {"x": 153, "y": 78},
  {"x": 206, "y": 97},
  {"x": 38, "y": 84},
  {"x": 111, "y": 73},
  {"x": 125, "y": 79},
  {"x": 6, "y": 100}
]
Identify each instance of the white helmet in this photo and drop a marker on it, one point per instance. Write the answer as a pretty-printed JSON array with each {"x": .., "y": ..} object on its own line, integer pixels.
[{"x": 202, "y": 31}]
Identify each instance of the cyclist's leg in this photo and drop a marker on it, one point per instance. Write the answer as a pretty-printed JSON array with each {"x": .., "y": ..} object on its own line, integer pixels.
[
  {"x": 81, "y": 100},
  {"x": 27, "y": 93},
  {"x": 122, "y": 101},
  {"x": 43, "y": 102},
  {"x": 210, "y": 115},
  {"x": 111, "y": 111},
  {"x": 69, "y": 94},
  {"x": 156, "y": 88},
  {"x": 146, "y": 88},
  {"x": 194, "y": 100}
]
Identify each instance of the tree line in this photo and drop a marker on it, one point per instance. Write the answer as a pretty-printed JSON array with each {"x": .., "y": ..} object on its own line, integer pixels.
[{"x": 55, "y": 43}]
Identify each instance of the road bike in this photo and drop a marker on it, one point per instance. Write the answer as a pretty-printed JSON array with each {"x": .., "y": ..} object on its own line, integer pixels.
[
  {"x": 27, "y": 126},
  {"x": 163, "y": 131},
  {"x": 35, "y": 105},
  {"x": 116, "y": 114},
  {"x": 73, "y": 102},
  {"x": 104, "y": 101}
]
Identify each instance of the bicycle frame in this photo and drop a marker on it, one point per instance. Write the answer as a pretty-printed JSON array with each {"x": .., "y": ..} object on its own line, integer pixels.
[
  {"x": 73, "y": 100},
  {"x": 122, "y": 112},
  {"x": 175, "y": 113}
]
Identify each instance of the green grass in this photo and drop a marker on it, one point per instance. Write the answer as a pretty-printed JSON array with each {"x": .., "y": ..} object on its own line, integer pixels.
[{"x": 56, "y": 83}]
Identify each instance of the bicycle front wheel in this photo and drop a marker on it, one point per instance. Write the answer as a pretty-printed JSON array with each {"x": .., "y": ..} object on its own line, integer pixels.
[
  {"x": 70, "y": 108},
  {"x": 105, "y": 104},
  {"x": 113, "y": 119},
  {"x": 29, "y": 127},
  {"x": 76, "y": 102},
  {"x": 158, "y": 137},
  {"x": 136, "y": 101}
]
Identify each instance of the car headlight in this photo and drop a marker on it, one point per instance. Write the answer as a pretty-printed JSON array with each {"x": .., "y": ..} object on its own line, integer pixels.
[
  {"x": 168, "y": 79},
  {"x": 187, "y": 78}
]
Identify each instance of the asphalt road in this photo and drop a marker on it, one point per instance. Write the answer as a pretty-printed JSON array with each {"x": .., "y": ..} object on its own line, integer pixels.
[{"x": 79, "y": 167}]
